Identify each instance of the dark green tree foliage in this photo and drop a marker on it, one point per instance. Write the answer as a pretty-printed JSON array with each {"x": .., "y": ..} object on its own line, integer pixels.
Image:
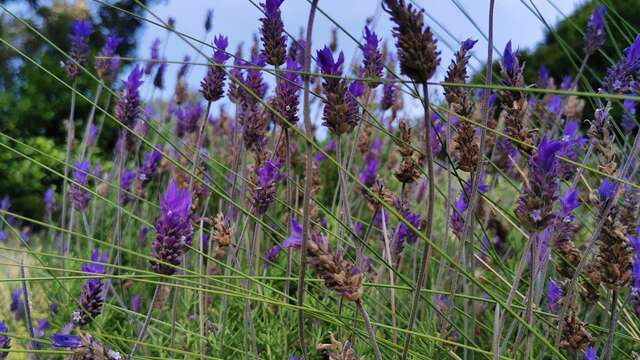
[{"x": 33, "y": 105}]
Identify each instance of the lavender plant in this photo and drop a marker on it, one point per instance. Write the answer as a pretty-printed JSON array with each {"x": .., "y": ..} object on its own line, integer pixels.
[{"x": 415, "y": 210}]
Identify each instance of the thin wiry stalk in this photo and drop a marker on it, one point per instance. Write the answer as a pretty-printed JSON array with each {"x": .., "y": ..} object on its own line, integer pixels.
[
  {"x": 67, "y": 159},
  {"x": 370, "y": 330},
  {"x": 426, "y": 252},
  {"x": 145, "y": 325},
  {"x": 248, "y": 314},
  {"x": 308, "y": 180},
  {"x": 613, "y": 321},
  {"x": 387, "y": 248},
  {"x": 201, "y": 295},
  {"x": 27, "y": 306},
  {"x": 92, "y": 114},
  {"x": 469, "y": 221}
]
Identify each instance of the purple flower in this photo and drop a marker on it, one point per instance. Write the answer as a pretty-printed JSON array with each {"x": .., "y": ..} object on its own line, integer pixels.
[
  {"x": 79, "y": 196},
  {"x": 607, "y": 190},
  {"x": 594, "y": 34},
  {"x": 150, "y": 163},
  {"x": 207, "y": 20},
  {"x": 136, "y": 303},
  {"x": 79, "y": 39},
  {"x": 554, "y": 296},
  {"x": 173, "y": 230},
  {"x": 38, "y": 332},
  {"x": 128, "y": 106},
  {"x": 440, "y": 301},
  {"x": 545, "y": 157},
  {"x": 543, "y": 77},
  {"x": 403, "y": 233},
  {"x": 272, "y": 29},
  {"x": 212, "y": 86},
  {"x": 572, "y": 143},
  {"x": 54, "y": 308},
  {"x": 510, "y": 60},
  {"x": 293, "y": 241},
  {"x": 294, "y": 357},
  {"x": 182, "y": 71},
  {"x": 267, "y": 177},
  {"x": 368, "y": 175},
  {"x": 629, "y": 116},
  {"x": 461, "y": 204},
  {"x": 5, "y": 203},
  {"x": 468, "y": 44},
  {"x": 590, "y": 352},
  {"x": 107, "y": 67},
  {"x": 158, "y": 79},
  {"x": 65, "y": 341},
  {"x": 93, "y": 291},
  {"x": 567, "y": 83},
  {"x": 328, "y": 65},
  {"x": 5, "y": 341},
  {"x": 569, "y": 201},
  {"x": 155, "y": 56},
  {"x": 535, "y": 204},
  {"x": 17, "y": 304},
  {"x": 622, "y": 76},
  {"x": 287, "y": 94},
  {"x": 126, "y": 179},
  {"x": 554, "y": 105},
  {"x": 49, "y": 200},
  {"x": 188, "y": 116},
  {"x": 372, "y": 58}
]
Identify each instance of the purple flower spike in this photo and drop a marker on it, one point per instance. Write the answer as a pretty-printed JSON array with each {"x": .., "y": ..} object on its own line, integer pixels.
[
  {"x": 545, "y": 157},
  {"x": 569, "y": 201},
  {"x": 590, "y": 354},
  {"x": 17, "y": 304},
  {"x": 266, "y": 181},
  {"x": 79, "y": 39},
  {"x": 554, "y": 295},
  {"x": 173, "y": 230},
  {"x": 128, "y": 106},
  {"x": 594, "y": 34},
  {"x": 184, "y": 67},
  {"x": 65, "y": 341},
  {"x": 136, "y": 303},
  {"x": 126, "y": 179},
  {"x": 372, "y": 62},
  {"x": 155, "y": 56},
  {"x": 535, "y": 204},
  {"x": 328, "y": 65},
  {"x": 5, "y": 342},
  {"x": 49, "y": 200},
  {"x": 543, "y": 77},
  {"x": 79, "y": 196},
  {"x": 93, "y": 291},
  {"x": 509, "y": 60},
  {"x": 607, "y": 190},
  {"x": 5, "y": 203},
  {"x": 368, "y": 175},
  {"x": 272, "y": 29},
  {"x": 293, "y": 241},
  {"x": 622, "y": 77},
  {"x": 188, "y": 116},
  {"x": 149, "y": 165},
  {"x": 629, "y": 116},
  {"x": 287, "y": 96},
  {"x": 468, "y": 44},
  {"x": 107, "y": 67}
]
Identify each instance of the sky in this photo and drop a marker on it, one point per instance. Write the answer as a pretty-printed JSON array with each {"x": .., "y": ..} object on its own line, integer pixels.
[{"x": 451, "y": 20}]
